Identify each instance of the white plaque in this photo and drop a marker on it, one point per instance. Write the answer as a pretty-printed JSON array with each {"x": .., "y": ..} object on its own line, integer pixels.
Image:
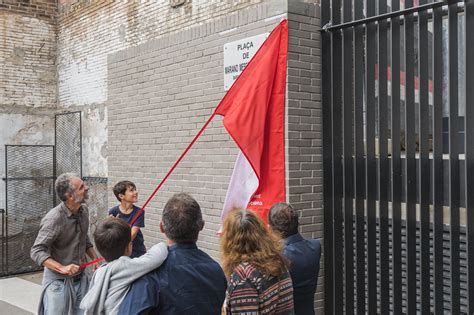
[{"x": 237, "y": 54}]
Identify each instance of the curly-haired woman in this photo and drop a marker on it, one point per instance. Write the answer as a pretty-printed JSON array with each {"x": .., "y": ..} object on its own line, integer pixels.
[{"x": 259, "y": 282}]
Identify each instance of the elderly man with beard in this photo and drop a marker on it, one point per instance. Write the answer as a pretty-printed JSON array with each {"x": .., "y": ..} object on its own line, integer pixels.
[{"x": 61, "y": 247}]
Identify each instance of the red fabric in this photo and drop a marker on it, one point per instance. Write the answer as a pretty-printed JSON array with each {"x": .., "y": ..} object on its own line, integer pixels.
[
  {"x": 90, "y": 263},
  {"x": 254, "y": 112}
]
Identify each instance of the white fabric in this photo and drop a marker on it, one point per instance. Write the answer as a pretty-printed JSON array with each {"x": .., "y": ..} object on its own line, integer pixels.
[{"x": 242, "y": 185}]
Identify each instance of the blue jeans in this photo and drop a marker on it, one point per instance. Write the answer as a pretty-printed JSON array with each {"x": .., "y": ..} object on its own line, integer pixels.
[{"x": 54, "y": 298}]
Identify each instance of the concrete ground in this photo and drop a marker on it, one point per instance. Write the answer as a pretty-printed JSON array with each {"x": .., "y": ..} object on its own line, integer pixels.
[{"x": 20, "y": 295}]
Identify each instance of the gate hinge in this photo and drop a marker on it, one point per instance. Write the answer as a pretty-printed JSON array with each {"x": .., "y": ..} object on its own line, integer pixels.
[{"x": 326, "y": 26}]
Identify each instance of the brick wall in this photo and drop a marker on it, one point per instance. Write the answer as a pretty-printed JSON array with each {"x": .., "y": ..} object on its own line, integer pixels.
[
  {"x": 146, "y": 77},
  {"x": 88, "y": 31},
  {"x": 160, "y": 94},
  {"x": 40, "y": 9},
  {"x": 28, "y": 54},
  {"x": 304, "y": 124}
]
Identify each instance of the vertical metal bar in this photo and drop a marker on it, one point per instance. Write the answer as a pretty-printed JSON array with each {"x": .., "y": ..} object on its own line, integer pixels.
[
  {"x": 424, "y": 162},
  {"x": 410, "y": 169},
  {"x": 4, "y": 251},
  {"x": 6, "y": 209},
  {"x": 348, "y": 166},
  {"x": 55, "y": 137},
  {"x": 454, "y": 185},
  {"x": 469, "y": 147},
  {"x": 359, "y": 156},
  {"x": 54, "y": 176},
  {"x": 338, "y": 177},
  {"x": 6, "y": 242},
  {"x": 383, "y": 184},
  {"x": 396, "y": 162},
  {"x": 3, "y": 241},
  {"x": 371, "y": 164},
  {"x": 80, "y": 142},
  {"x": 438, "y": 191},
  {"x": 55, "y": 158},
  {"x": 327, "y": 162}
]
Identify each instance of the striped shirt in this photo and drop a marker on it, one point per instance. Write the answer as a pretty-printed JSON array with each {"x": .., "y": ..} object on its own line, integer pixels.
[{"x": 250, "y": 292}]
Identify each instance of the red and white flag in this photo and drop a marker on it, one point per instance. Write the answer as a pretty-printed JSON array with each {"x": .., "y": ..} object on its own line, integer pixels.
[{"x": 254, "y": 113}]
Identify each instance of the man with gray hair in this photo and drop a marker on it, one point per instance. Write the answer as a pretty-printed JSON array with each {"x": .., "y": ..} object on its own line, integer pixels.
[
  {"x": 304, "y": 256},
  {"x": 61, "y": 246}
]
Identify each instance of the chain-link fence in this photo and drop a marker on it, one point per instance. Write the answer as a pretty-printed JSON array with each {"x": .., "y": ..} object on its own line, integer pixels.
[
  {"x": 30, "y": 174},
  {"x": 68, "y": 143},
  {"x": 97, "y": 202},
  {"x": 29, "y": 196}
]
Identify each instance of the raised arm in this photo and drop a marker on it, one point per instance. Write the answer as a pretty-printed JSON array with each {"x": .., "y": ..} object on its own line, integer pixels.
[
  {"x": 131, "y": 269},
  {"x": 139, "y": 223},
  {"x": 135, "y": 230}
]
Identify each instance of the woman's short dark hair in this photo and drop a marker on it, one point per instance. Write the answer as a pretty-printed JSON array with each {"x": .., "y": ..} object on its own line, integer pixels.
[
  {"x": 182, "y": 219},
  {"x": 283, "y": 219},
  {"x": 112, "y": 237},
  {"x": 121, "y": 188}
]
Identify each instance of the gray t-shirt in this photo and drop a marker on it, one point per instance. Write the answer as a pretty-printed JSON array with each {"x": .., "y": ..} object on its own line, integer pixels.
[{"x": 63, "y": 236}]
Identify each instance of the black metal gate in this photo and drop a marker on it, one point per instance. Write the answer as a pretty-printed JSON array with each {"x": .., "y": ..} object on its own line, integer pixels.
[
  {"x": 29, "y": 183},
  {"x": 30, "y": 174},
  {"x": 398, "y": 139}
]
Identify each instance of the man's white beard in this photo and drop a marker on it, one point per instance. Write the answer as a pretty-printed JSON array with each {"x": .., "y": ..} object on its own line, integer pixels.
[{"x": 81, "y": 200}]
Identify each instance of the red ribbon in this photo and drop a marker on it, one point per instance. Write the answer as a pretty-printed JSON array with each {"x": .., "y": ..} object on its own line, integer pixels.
[
  {"x": 160, "y": 184},
  {"x": 142, "y": 209},
  {"x": 90, "y": 263}
]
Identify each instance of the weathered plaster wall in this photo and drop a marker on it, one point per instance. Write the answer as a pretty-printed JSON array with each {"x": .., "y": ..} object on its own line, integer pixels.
[{"x": 28, "y": 89}]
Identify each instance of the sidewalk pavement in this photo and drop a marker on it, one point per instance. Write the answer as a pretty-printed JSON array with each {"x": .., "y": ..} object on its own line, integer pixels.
[{"x": 20, "y": 295}]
